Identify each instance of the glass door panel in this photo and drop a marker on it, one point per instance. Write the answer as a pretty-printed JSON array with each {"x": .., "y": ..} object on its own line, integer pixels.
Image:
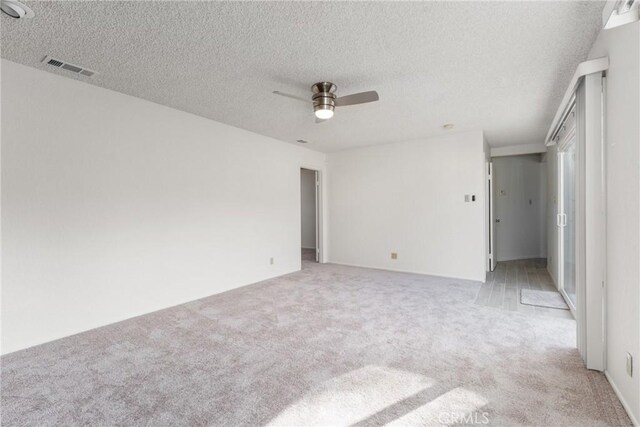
[{"x": 568, "y": 221}]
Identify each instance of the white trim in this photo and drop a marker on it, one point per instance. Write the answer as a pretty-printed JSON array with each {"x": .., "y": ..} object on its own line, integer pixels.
[
  {"x": 397, "y": 270},
  {"x": 593, "y": 197},
  {"x": 491, "y": 217},
  {"x": 321, "y": 209},
  {"x": 584, "y": 68},
  {"x": 611, "y": 18},
  {"x": 516, "y": 150},
  {"x": 607, "y": 11},
  {"x": 625, "y": 405}
]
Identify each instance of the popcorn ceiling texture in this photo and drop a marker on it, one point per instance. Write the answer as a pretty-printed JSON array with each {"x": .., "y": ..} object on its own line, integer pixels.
[
  {"x": 329, "y": 345},
  {"x": 493, "y": 66}
]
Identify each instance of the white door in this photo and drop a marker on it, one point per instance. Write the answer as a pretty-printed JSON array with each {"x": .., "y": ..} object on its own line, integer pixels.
[{"x": 492, "y": 218}]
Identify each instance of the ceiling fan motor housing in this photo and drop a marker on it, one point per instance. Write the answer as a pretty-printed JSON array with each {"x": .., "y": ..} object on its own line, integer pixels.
[{"x": 324, "y": 97}]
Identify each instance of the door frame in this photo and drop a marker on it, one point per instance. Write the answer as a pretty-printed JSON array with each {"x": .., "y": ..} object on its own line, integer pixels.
[
  {"x": 320, "y": 209},
  {"x": 590, "y": 221},
  {"x": 491, "y": 256}
]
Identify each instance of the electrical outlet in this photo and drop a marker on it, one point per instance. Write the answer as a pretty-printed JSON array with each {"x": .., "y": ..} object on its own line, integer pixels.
[
  {"x": 394, "y": 255},
  {"x": 629, "y": 364},
  {"x": 271, "y": 260}
]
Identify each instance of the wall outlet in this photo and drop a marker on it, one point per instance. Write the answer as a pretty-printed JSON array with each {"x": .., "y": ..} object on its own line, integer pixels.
[
  {"x": 394, "y": 255},
  {"x": 271, "y": 260},
  {"x": 629, "y": 364}
]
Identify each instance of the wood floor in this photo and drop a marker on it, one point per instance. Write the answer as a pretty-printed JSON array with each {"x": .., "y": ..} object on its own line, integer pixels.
[
  {"x": 502, "y": 288},
  {"x": 308, "y": 254}
]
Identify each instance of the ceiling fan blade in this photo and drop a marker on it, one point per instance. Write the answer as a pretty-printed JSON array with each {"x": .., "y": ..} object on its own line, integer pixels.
[
  {"x": 357, "y": 98},
  {"x": 299, "y": 98}
]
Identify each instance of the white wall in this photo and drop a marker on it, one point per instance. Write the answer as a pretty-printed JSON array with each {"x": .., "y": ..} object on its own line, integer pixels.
[
  {"x": 622, "y": 45},
  {"x": 409, "y": 198},
  {"x": 113, "y": 206},
  {"x": 308, "y": 208},
  {"x": 520, "y": 200}
]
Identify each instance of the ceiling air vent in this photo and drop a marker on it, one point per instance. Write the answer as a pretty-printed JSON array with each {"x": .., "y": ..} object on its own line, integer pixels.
[{"x": 69, "y": 67}]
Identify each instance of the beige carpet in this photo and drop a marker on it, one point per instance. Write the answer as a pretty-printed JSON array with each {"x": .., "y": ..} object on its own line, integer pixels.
[{"x": 329, "y": 345}]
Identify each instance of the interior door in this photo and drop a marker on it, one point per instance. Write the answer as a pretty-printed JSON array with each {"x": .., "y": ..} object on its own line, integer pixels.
[{"x": 492, "y": 218}]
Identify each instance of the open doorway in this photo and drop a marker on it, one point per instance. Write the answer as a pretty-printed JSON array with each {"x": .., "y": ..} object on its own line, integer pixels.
[
  {"x": 309, "y": 215},
  {"x": 517, "y": 278},
  {"x": 520, "y": 207}
]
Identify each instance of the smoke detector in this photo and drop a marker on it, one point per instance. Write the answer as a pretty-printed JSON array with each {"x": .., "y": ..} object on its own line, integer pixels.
[{"x": 15, "y": 9}]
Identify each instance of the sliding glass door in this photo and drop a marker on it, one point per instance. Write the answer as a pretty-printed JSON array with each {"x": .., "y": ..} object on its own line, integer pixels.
[
  {"x": 567, "y": 208},
  {"x": 567, "y": 217}
]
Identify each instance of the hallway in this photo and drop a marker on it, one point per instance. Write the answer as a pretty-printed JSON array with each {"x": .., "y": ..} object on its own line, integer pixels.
[{"x": 503, "y": 285}]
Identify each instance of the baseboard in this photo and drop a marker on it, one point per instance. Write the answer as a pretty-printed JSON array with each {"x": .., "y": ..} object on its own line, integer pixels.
[
  {"x": 553, "y": 279},
  {"x": 522, "y": 257},
  {"x": 621, "y": 398},
  {"x": 396, "y": 270}
]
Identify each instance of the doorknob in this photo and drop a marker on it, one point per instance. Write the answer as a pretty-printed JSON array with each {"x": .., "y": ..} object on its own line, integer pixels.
[{"x": 497, "y": 220}]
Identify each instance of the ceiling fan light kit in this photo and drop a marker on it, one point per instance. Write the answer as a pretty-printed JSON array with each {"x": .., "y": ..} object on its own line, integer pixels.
[
  {"x": 325, "y": 101},
  {"x": 16, "y": 10}
]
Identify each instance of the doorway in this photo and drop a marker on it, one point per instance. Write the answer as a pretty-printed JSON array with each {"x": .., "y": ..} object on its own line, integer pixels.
[
  {"x": 519, "y": 207},
  {"x": 309, "y": 215}
]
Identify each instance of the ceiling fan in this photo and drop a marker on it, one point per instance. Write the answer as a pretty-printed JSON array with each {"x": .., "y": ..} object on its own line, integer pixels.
[{"x": 325, "y": 101}]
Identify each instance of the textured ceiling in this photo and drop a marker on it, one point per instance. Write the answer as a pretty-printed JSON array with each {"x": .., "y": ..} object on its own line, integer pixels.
[{"x": 497, "y": 66}]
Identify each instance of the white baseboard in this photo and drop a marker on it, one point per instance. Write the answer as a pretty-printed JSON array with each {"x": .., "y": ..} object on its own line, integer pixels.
[
  {"x": 555, "y": 282},
  {"x": 397, "y": 270},
  {"x": 625, "y": 405},
  {"x": 521, "y": 257}
]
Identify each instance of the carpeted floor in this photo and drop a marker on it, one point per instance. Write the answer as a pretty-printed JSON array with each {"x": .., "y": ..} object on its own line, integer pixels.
[{"x": 329, "y": 345}]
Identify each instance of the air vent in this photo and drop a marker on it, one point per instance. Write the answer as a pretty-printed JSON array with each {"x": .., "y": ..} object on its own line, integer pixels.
[
  {"x": 54, "y": 63},
  {"x": 69, "y": 67}
]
